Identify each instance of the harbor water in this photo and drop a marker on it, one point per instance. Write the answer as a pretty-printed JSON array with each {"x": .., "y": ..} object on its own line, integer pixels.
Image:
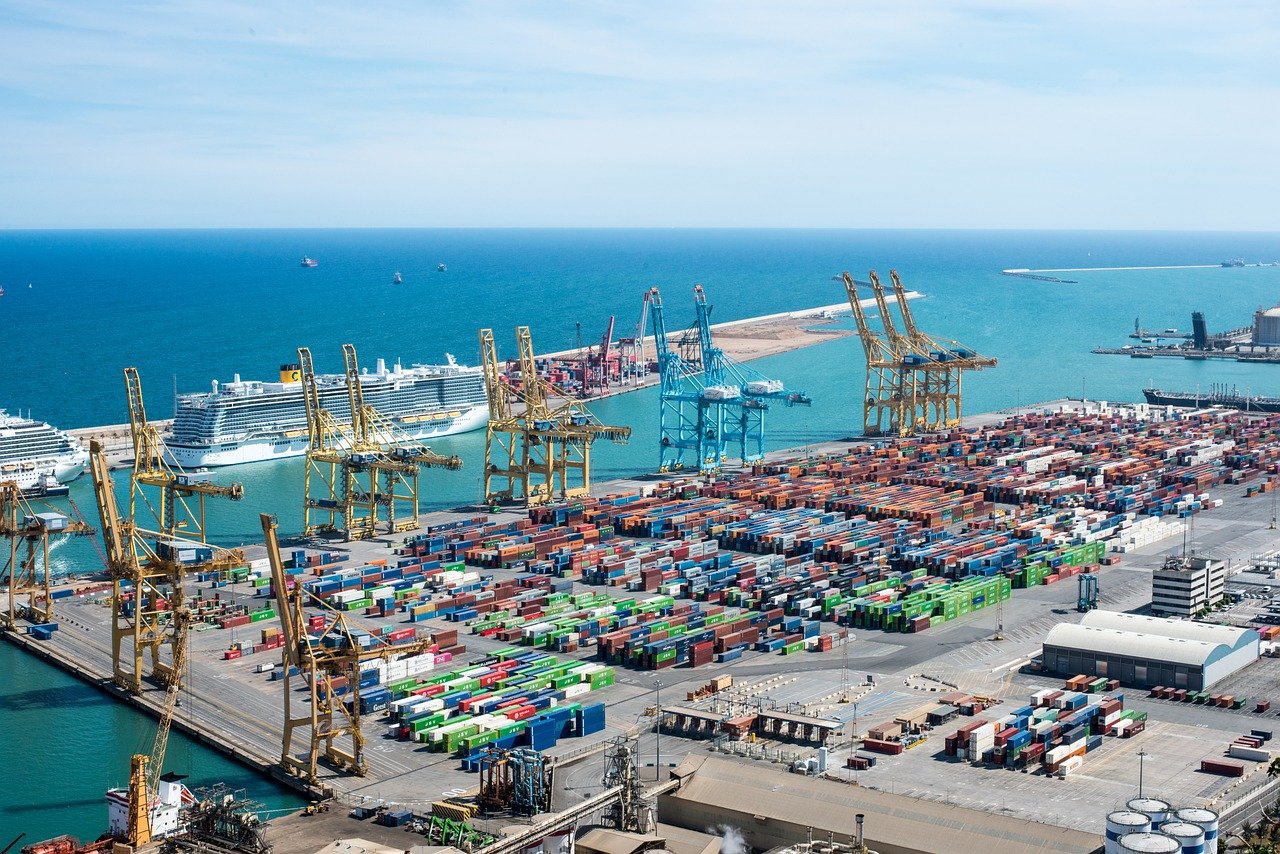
[
  {"x": 204, "y": 305},
  {"x": 66, "y": 743}
]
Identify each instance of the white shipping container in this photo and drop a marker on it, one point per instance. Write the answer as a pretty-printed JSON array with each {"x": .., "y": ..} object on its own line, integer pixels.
[
  {"x": 577, "y": 690},
  {"x": 1253, "y": 754},
  {"x": 1070, "y": 765},
  {"x": 420, "y": 663}
]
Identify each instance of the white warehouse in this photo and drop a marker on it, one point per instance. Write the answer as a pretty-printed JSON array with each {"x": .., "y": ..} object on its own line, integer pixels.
[{"x": 1149, "y": 651}]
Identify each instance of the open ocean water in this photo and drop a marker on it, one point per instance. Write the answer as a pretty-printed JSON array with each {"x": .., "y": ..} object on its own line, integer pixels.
[{"x": 79, "y": 306}]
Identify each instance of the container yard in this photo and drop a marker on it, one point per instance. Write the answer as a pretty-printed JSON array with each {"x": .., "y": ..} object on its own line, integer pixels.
[{"x": 881, "y": 601}]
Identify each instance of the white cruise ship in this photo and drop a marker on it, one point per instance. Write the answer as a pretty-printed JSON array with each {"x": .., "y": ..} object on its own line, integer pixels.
[
  {"x": 32, "y": 451},
  {"x": 245, "y": 422}
]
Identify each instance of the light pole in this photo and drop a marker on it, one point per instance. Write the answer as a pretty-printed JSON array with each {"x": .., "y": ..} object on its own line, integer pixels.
[
  {"x": 1142, "y": 756},
  {"x": 657, "y": 759}
]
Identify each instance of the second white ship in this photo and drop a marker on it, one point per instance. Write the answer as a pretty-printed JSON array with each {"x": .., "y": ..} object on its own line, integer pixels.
[{"x": 251, "y": 421}]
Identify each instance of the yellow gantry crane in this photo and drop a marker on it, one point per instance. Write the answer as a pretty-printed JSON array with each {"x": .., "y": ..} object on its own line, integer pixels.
[
  {"x": 148, "y": 558},
  {"x": 882, "y": 402},
  {"x": 942, "y": 393},
  {"x": 26, "y": 567},
  {"x": 324, "y": 657},
  {"x": 914, "y": 381},
  {"x": 539, "y": 438},
  {"x": 360, "y": 468}
]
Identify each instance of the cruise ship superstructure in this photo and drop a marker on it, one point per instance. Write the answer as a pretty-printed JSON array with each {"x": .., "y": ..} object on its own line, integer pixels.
[
  {"x": 250, "y": 421},
  {"x": 32, "y": 451}
]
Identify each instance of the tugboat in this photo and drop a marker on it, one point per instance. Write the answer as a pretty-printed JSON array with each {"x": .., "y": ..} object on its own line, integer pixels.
[
  {"x": 395, "y": 280},
  {"x": 309, "y": 262},
  {"x": 440, "y": 268},
  {"x": 46, "y": 486}
]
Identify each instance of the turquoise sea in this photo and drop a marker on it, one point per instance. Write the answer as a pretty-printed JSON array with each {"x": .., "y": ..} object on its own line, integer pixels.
[{"x": 79, "y": 306}]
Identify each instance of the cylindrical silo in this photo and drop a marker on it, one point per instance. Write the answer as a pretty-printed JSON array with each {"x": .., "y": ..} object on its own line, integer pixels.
[
  {"x": 1148, "y": 843},
  {"x": 1206, "y": 819},
  {"x": 1158, "y": 810},
  {"x": 1190, "y": 836},
  {"x": 1121, "y": 822}
]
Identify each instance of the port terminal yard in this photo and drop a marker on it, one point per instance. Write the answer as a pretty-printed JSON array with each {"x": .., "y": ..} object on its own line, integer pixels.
[{"x": 1074, "y": 471}]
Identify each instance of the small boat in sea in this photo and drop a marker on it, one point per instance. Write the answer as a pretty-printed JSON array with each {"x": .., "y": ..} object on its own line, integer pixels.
[
  {"x": 440, "y": 268},
  {"x": 309, "y": 262},
  {"x": 1, "y": 292},
  {"x": 396, "y": 279}
]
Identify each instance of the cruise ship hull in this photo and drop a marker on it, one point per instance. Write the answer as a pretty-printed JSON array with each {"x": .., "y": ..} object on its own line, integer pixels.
[
  {"x": 277, "y": 446},
  {"x": 29, "y": 474}
]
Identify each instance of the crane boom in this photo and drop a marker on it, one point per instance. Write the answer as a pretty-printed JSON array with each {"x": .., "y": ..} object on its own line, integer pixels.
[
  {"x": 355, "y": 395},
  {"x": 495, "y": 387},
  {"x": 908, "y": 321},
  {"x": 897, "y": 341},
  {"x": 532, "y": 390},
  {"x": 311, "y": 398},
  {"x": 148, "y": 453}
]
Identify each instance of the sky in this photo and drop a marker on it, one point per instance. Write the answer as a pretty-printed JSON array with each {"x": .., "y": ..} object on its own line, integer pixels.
[{"x": 793, "y": 113}]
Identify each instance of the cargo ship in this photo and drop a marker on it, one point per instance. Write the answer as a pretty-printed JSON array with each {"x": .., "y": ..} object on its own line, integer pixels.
[
  {"x": 1217, "y": 396},
  {"x": 250, "y": 421},
  {"x": 32, "y": 452}
]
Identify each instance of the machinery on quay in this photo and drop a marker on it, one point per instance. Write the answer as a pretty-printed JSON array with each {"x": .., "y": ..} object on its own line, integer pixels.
[
  {"x": 327, "y": 654},
  {"x": 538, "y": 443},
  {"x": 26, "y": 562},
  {"x": 595, "y": 363},
  {"x": 914, "y": 381},
  {"x": 149, "y": 552},
  {"x": 1087, "y": 594},
  {"x": 519, "y": 780},
  {"x": 354, "y": 474},
  {"x": 709, "y": 404}
]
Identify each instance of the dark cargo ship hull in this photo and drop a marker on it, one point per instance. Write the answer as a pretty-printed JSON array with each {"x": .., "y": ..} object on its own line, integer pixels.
[{"x": 1157, "y": 397}]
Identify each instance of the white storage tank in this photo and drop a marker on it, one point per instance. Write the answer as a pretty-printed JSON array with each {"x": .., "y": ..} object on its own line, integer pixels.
[
  {"x": 1148, "y": 843},
  {"x": 1190, "y": 836},
  {"x": 1205, "y": 819},
  {"x": 1121, "y": 822},
  {"x": 1159, "y": 811}
]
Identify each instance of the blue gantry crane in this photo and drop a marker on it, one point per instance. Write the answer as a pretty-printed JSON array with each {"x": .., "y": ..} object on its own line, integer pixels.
[{"x": 709, "y": 407}]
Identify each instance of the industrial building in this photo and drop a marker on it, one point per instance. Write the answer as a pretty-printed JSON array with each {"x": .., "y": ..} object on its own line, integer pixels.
[
  {"x": 774, "y": 808},
  {"x": 1185, "y": 586},
  {"x": 1149, "y": 651},
  {"x": 1266, "y": 327}
]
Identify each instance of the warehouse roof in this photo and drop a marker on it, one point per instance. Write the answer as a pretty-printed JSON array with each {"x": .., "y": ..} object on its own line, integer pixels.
[
  {"x": 751, "y": 795},
  {"x": 1184, "y": 629},
  {"x": 1134, "y": 645}
]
